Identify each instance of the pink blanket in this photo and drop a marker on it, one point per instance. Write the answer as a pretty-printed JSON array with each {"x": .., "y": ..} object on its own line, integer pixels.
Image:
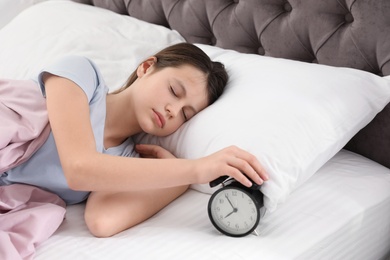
[
  {"x": 28, "y": 216},
  {"x": 24, "y": 122}
]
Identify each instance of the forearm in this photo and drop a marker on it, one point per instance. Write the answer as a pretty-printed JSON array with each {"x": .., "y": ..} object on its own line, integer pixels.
[{"x": 101, "y": 172}]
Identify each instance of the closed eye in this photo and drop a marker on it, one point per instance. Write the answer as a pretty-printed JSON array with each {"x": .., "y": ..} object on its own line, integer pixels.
[
  {"x": 184, "y": 115},
  {"x": 173, "y": 91},
  {"x": 183, "y": 112}
]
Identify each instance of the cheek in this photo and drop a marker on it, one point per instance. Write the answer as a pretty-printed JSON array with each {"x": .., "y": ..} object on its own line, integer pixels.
[
  {"x": 168, "y": 130},
  {"x": 173, "y": 126}
]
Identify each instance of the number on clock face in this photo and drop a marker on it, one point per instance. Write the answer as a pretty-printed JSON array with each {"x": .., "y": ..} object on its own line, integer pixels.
[{"x": 234, "y": 212}]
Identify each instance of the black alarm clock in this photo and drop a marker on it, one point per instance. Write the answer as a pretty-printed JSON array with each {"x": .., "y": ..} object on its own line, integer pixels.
[{"x": 234, "y": 209}]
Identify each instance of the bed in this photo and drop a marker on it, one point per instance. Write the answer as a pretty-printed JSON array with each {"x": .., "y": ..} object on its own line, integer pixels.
[{"x": 308, "y": 94}]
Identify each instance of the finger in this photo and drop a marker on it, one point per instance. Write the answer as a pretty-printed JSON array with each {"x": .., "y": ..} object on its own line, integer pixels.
[
  {"x": 255, "y": 166},
  {"x": 244, "y": 172},
  {"x": 247, "y": 168},
  {"x": 153, "y": 151},
  {"x": 146, "y": 150},
  {"x": 239, "y": 176}
]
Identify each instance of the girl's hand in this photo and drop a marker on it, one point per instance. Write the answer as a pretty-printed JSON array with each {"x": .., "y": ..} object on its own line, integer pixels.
[
  {"x": 153, "y": 151},
  {"x": 234, "y": 162}
]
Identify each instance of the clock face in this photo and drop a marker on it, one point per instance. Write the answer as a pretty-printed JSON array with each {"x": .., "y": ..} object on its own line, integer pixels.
[{"x": 233, "y": 211}]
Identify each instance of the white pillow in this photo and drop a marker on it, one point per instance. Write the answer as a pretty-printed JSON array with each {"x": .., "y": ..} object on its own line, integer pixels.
[
  {"x": 11, "y": 8},
  {"x": 293, "y": 116},
  {"x": 46, "y": 31}
]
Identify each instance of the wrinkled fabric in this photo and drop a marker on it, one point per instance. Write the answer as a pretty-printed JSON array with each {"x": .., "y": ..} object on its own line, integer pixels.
[
  {"x": 44, "y": 168},
  {"x": 28, "y": 216},
  {"x": 24, "y": 123}
]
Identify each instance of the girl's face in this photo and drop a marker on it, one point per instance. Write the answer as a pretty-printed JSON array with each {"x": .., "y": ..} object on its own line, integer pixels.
[{"x": 167, "y": 98}]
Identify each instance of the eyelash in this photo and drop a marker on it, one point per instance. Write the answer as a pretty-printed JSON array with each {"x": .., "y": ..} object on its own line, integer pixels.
[
  {"x": 184, "y": 115},
  {"x": 174, "y": 93}
]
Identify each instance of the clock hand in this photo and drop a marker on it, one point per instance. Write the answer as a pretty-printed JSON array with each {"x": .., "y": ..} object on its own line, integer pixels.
[
  {"x": 231, "y": 204},
  {"x": 234, "y": 210}
]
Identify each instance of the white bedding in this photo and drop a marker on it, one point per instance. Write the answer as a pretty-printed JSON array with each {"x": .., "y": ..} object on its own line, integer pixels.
[{"x": 342, "y": 212}]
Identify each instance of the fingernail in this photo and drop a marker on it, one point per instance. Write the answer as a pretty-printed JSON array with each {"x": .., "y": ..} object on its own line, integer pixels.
[{"x": 259, "y": 180}]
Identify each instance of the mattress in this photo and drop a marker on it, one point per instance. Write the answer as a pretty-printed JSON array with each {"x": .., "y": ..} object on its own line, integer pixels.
[{"x": 342, "y": 212}]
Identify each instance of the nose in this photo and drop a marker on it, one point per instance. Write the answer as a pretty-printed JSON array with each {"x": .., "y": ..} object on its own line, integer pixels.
[{"x": 173, "y": 110}]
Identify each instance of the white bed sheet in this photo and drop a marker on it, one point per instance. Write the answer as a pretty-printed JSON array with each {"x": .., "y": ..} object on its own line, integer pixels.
[{"x": 342, "y": 212}]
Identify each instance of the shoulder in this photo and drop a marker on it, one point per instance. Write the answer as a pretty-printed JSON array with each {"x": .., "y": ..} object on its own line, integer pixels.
[
  {"x": 79, "y": 69},
  {"x": 72, "y": 67}
]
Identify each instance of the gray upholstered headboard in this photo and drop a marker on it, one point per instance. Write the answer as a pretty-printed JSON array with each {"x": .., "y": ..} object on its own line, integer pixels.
[{"x": 348, "y": 33}]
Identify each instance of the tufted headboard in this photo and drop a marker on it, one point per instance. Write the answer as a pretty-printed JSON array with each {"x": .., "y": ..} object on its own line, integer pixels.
[{"x": 344, "y": 33}]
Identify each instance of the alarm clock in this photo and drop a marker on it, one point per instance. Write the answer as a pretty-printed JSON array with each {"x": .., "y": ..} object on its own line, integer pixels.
[{"x": 234, "y": 209}]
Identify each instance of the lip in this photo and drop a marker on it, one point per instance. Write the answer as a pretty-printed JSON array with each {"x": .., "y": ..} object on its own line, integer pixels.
[{"x": 159, "y": 119}]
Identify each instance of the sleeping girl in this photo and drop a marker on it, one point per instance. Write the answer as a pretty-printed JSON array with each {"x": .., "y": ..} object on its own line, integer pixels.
[{"x": 85, "y": 151}]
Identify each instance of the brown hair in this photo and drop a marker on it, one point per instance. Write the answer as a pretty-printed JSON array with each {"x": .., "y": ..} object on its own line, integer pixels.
[{"x": 189, "y": 54}]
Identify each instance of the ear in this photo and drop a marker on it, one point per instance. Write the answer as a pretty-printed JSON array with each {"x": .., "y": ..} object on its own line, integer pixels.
[{"x": 145, "y": 66}]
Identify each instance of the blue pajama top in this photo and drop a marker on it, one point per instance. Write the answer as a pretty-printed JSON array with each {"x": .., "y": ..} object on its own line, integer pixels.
[{"x": 44, "y": 169}]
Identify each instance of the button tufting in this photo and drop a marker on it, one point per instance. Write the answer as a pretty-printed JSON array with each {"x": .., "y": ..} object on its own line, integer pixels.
[
  {"x": 213, "y": 41},
  {"x": 287, "y": 7},
  {"x": 348, "y": 18},
  {"x": 261, "y": 51}
]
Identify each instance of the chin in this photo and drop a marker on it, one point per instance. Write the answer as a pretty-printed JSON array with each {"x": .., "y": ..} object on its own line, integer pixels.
[
  {"x": 152, "y": 130},
  {"x": 161, "y": 134}
]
